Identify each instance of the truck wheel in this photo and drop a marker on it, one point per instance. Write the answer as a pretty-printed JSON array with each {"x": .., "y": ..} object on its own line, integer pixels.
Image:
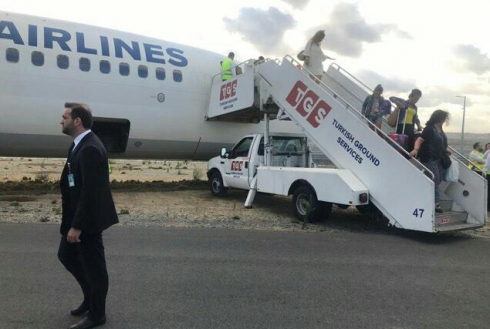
[
  {"x": 216, "y": 184},
  {"x": 325, "y": 210},
  {"x": 305, "y": 204}
]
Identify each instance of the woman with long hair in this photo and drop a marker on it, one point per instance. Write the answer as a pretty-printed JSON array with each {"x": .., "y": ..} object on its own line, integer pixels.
[
  {"x": 431, "y": 147},
  {"x": 372, "y": 108},
  {"x": 314, "y": 55}
]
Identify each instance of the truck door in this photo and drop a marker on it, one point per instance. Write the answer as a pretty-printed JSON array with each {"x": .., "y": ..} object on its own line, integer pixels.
[{"x": 237, "y": 164}]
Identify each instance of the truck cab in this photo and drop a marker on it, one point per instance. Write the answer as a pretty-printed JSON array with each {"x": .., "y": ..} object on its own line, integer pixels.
[{"x": 237, "y": 167}]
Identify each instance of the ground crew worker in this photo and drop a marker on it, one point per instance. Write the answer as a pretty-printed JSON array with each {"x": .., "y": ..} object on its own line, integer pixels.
[
  {"x": 477, "y": 157},
  {"x": 486, "y": 173},
  {"x": 226, "y": 73}
]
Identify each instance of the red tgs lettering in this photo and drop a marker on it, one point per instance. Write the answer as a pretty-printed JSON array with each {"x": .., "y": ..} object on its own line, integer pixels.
[
  {"x": 297, "y": 93},
  {"x": 307, "y": 103},
  {"x": 233, "y": 88},
  {"x": 319, "y": 113}
]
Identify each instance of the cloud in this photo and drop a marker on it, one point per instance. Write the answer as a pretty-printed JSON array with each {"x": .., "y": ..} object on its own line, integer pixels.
[
  {"x": 348, "y": 30},
  {"x": 472, "y": 59},
  {"x": 393, "y": 85},
  {"x": 298, "y": 4},
  {"x": 262, "y": 28},
  {"x": 436, "y": 96}
]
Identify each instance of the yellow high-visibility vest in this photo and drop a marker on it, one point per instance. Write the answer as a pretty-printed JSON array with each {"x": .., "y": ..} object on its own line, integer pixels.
[
  {"x": 476, "y": 164},
  {"x": 226, "y": 69}
]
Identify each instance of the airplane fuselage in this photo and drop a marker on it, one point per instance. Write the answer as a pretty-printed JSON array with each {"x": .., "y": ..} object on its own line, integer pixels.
[{"x": 148, "y": 94}]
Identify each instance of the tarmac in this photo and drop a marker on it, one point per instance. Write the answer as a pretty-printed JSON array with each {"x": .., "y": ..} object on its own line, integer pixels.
[{"x": 219, "y": 278}]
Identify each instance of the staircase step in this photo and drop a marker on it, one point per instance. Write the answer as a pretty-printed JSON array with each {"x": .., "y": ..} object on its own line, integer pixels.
[
  {"x": 458, "y": 227},
  {"x": 451, "y": 218},
  {"x": 446, "y": 205}
]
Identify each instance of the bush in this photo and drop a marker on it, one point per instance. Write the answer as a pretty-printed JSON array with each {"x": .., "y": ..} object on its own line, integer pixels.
[
  {"x": 196, "y": 174},
  {"x": 42, "y": 177}
]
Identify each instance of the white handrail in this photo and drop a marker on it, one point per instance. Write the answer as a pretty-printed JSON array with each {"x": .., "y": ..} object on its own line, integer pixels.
[
  {"x": 339, "y": 68},
  {"x": 238, "y": 65},
  {"x": 361, "y": 118}
]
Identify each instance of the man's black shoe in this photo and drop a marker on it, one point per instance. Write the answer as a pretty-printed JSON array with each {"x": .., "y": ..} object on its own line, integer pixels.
[
  {"x": 86, "y": 323},
  {"x": 80, "y": 310}
]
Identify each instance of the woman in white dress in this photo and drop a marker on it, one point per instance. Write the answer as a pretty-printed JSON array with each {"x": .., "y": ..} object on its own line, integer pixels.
[{"x": 314, "y": 56}]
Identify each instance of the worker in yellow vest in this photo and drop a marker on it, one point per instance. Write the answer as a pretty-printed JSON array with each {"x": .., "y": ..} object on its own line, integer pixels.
[
  {"x": 486, "y": 173},
  {"x": 477, "y": 158},
  {"x": 226, "y": 65}
]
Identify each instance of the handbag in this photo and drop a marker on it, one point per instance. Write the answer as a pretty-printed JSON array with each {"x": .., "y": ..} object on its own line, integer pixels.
[
  {"x": 446, "y": 161},
  {"x": 452, "y": 173},
  {"x": 393, "y": 118},
  {"x": 301, "y": 56}
]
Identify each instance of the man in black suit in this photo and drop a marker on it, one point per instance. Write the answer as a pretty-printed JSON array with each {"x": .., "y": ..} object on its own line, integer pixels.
[{"x": 87, "y": 210}]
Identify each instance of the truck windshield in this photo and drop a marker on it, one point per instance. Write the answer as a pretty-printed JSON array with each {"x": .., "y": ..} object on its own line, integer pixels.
[{"x": 287, "y": 145}]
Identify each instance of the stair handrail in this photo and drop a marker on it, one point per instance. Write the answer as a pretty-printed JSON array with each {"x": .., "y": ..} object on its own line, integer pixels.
[
  {"x": 340, "y": 68},
  {"x": 250, "y": 62},
  {"x": 361, "y": 118},
  {"x": 466, "y": 161}
]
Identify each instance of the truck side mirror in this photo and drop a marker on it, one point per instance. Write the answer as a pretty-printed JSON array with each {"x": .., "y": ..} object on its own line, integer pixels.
[{"x": 223, "y": 152}]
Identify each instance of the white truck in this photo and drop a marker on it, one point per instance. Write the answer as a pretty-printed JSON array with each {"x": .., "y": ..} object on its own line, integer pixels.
[{"x": 283, "y": 167}]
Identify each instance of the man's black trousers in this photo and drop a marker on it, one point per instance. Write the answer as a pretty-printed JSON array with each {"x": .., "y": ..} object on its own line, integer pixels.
[{"x": 86, "y": 262}]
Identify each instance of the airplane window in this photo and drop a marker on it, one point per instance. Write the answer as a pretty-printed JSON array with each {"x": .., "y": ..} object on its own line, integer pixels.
[
  {"x": 37, "y": 58},
  {"x": 84, "y": 64},
  {"x": 63, "y": 62},
  {"x": 160, "y": 73},
  {"x": 12, "y": 55},
  {"x": 124, "y": 69},
  {"x": 177, "y": 76},
  {"x": 105, "y": 67},
  {"x": 142, "y": 71}
]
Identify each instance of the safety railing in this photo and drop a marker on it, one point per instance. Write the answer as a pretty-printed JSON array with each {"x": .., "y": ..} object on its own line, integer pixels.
[
  {"x": 249, "y": 63},
  {"x": 361, "y": 118},
  {"x": 456, "y": 155}
]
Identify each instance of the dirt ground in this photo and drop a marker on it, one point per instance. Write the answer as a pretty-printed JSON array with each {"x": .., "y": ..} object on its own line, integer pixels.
[
  {"x": 168, "y": 194},
  {"x": 30, "y": 169}
]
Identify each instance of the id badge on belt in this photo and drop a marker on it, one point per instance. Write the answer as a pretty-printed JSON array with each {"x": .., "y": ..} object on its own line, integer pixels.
[{"x": 71, "y": 180}]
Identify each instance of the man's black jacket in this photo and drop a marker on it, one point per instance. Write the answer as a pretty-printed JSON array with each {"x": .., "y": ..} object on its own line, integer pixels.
[{"x": 87, "y": 206}]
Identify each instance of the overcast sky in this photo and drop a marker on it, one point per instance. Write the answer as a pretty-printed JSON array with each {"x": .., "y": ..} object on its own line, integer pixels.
[{"x": 440, "y": 47}]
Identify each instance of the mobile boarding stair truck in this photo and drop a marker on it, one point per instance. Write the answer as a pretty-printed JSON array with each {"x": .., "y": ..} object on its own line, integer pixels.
[{"x": 370, "y": 169}]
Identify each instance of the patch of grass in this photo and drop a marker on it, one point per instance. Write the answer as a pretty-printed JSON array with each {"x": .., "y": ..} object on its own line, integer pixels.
[
  {"x": 236, "y": 217},
  {"x": 15, "y": 204},
  {"x": 44, "y": 219},
  {"x": 56, "y": 210},
  {"x": 197, "y": 174},
  {"x": 54, "y": 202},
  {"x": 124, "y": 212},
  {"x": 42, "y": 177}
]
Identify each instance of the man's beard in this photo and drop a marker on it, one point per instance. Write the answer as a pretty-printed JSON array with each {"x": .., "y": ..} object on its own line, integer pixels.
[{"x": 68, "y": 130}]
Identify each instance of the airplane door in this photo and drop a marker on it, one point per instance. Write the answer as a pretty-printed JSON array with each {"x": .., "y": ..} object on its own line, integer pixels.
[{"x": 237, "y": 164}]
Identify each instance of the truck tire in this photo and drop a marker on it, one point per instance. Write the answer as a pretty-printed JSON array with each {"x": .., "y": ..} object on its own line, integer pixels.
[
  {"x": 216, "y": 184},
  {"x": 305, "y": 204},
  {"x": 325, "y": 210}
]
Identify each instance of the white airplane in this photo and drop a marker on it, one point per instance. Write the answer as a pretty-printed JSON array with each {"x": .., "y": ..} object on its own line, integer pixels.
[{"x": 149, "y": 97}]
